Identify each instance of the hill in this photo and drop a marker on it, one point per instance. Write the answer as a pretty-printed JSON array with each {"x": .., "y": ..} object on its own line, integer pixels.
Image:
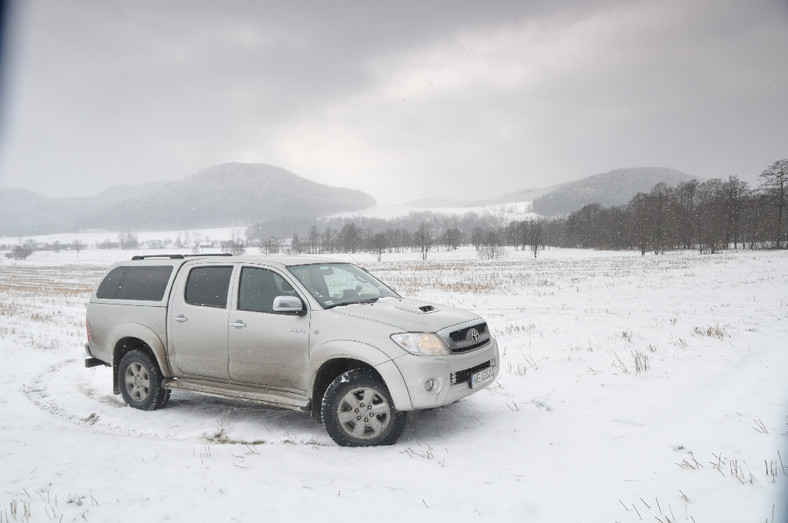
[
  {"x": 608, "y": 189},
  {"x": 229, "y": 194},
  {"x": 223, "y": 195}
]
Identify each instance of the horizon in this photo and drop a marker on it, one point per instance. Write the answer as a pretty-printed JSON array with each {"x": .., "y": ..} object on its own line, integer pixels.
[
  {"x": 411, "y": 203},
  {"x": 399, "y": 101}
]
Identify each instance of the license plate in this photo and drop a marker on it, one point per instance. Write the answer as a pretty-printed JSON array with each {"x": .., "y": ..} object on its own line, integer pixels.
[{"x": 480, "y": 378}]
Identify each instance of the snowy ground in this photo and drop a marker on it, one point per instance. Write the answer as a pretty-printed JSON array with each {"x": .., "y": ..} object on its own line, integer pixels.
[{"x": 632, "y": 389}]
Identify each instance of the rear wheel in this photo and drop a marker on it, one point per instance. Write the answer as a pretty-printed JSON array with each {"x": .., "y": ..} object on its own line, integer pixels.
[
  {"x": 140, "y": 381},
  {"x": 358, "y": 411}
]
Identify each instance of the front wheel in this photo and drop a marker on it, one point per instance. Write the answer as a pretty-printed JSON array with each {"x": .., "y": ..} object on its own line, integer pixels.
[
  {"x": 140, "y": 381},
  {"x": 358, "y": 411}
]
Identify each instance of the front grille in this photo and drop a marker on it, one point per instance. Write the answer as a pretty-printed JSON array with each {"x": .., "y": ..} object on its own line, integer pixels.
[
  {"x": 463, "y": 376},
  {"x": 461, "y": 341}
]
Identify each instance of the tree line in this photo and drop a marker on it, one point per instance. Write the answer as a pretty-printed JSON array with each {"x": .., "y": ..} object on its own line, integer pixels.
[{"x": 709, "y": 216}]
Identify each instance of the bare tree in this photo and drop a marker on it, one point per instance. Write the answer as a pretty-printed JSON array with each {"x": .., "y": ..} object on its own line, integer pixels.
[
  {"x": 350, "y": 237},
  {"x": 452, "y": 238},
  {"x": 77, "y": 246},
  {"x": 536, "y": 236},
  {"x": 774, "y": 182},
  {"x": 236, "y": 247},
  {"x": 20, "y": 252},
  {"x": 734, "y": 194},
  {"x": 686, "y": 212},
  {"x": 314, "y": 239},
  {"x": 379, "y": 243},
  {"x": 423, "y": 238},
  {"x": 128, "y": 240},
  {"x": 711, "y": 216},
  {"x": 492, "y": 247},
  {"x": 638, "y": 221}
]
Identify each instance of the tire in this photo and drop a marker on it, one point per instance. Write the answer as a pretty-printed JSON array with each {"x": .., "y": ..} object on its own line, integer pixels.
[
  {"x": 358, "y": 411},
  {"x": 140, "y": 379}
]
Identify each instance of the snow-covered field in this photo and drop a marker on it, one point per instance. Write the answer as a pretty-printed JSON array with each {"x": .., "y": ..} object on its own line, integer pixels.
[{"x": 632, "y": 389}]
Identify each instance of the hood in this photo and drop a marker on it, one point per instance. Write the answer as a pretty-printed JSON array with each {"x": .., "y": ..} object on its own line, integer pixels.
[{"x": 408, "y": 315}]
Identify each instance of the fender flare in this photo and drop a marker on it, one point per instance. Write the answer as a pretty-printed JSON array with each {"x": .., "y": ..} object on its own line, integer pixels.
[
  {"x": 147, "y": 336},
  {"x": 369, "y": 355}
]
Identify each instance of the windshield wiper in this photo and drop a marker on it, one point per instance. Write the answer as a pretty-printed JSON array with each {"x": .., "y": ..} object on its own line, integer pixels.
[
  {"x": 340, "y": 304},
  {"x": 344, "y": 303}
]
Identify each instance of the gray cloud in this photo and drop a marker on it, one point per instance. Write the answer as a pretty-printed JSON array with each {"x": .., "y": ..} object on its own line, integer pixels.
[{"x": 401, "y": 100}]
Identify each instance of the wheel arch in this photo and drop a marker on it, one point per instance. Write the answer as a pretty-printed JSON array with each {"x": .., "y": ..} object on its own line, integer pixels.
[
  {"x": 332, "y": 360},
  {"x": 142, "y": 339}
]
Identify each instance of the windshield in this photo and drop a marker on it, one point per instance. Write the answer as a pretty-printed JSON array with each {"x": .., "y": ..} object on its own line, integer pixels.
[{"x": 335, "y": 284}]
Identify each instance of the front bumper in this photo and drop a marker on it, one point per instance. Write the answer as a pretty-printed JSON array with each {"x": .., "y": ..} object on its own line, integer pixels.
[{"x": 435, "y": 381}]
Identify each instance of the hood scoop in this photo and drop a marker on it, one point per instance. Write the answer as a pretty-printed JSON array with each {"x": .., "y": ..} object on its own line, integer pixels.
[{"x": 424, "y": 309}]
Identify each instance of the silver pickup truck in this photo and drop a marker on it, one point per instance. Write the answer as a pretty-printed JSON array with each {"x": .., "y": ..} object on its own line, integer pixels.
[{"x": 300, "y": 333}]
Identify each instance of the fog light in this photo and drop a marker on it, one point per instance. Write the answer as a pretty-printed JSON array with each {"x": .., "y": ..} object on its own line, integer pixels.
[{"x": 430, "y": 384}]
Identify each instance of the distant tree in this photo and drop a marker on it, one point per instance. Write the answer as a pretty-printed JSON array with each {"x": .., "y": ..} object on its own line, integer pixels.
[
  {"x": 711, "y": 216},
  {"x": 774, "y": 183},
  {"x": 379, "y": 244},
  {"x": 657, "y": 209},
  {"x": 77, "y": 245},
  {"x": 128, "y": 240},
  {"x": 20, "y": 252},
  {"x": 328, "y": 239},
  {"x": 536, "y": 235},
  {"x": 236, "y": 247},
  {"x": 271, "y": 245},
  {"x": 734, "y": 195},
  {"x": 638, "y": 221},
  {"x": 686, "y": 213},
  {"x": 452, "y": 238},
  {"x": 477, "y": 237},
  {"x": 314, "y": 239},
  {"x": 423, "y": 238},
  {"x": 350, "y": 237},
  {"x": 295, "y": 244},
  {"x": 492, "y": 246}
]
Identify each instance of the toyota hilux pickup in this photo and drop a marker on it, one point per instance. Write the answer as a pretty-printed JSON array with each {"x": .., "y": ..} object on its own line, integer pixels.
[{"x": 304, "y": 333}]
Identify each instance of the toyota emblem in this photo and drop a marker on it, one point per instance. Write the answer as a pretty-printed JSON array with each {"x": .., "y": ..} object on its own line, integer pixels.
[{"x": 473, "y": 334}]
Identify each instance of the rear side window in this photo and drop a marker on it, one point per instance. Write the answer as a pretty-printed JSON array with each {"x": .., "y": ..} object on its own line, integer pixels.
[
  {"x": 146, "y": 283},
  {"x": 208, "y": 286}
]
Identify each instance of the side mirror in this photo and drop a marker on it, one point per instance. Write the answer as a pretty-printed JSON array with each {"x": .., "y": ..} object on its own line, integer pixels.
[{"x": 291, "y": 304}]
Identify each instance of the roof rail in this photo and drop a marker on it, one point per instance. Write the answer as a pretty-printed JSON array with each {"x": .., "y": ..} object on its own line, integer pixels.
[{"x": 176, "y": 256}]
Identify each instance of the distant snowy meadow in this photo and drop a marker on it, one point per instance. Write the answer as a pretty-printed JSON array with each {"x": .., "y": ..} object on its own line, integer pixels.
[{"x": 633, "y": 388}]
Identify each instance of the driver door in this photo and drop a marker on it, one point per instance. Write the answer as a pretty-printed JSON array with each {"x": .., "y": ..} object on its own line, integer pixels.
[{"x": 267, "y": 348}]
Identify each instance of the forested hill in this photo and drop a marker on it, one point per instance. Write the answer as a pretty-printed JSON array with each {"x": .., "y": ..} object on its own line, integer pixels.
[
  {"x": 231, "y": 194},
  {"x": 223, "y": 195},
  {"x": 607, "y": 189}
]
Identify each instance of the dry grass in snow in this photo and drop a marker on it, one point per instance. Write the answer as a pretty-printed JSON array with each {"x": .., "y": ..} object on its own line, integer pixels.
[{"x": 632, "y": 389}]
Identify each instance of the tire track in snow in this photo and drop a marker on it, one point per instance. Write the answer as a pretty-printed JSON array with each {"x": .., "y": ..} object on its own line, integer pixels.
[{"x": 63, "y": 390}]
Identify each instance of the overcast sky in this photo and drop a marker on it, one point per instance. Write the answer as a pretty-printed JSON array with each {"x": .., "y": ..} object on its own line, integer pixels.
[{"x": 402, "y": 100}]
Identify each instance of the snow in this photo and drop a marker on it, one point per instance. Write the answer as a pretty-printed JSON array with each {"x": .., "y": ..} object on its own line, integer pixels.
[
  {"x": 571, "y": 430},
  {"x": 506, "y": 212},
  {"x": 93, "y": 238}
]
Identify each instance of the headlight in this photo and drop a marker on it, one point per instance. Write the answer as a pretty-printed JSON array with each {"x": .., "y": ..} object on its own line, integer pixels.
[{"x": 421, "y": 343}]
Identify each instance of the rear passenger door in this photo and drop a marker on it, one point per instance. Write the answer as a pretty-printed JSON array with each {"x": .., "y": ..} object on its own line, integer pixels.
[{"x": 198, "y": 322}]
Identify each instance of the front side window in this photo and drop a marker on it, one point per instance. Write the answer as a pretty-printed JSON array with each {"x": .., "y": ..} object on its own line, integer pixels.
[
  {"x": 259, "y": 287},
  {"x": 208, "y": 286}
]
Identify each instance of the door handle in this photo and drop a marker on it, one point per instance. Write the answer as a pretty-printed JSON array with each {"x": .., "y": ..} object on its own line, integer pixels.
[
  {"x": 180, "y": 318},
  {"x": 238, "y": 324}
]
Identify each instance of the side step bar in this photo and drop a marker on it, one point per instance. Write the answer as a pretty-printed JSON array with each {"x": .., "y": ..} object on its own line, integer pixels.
[{"x": 281, "y": 399}]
